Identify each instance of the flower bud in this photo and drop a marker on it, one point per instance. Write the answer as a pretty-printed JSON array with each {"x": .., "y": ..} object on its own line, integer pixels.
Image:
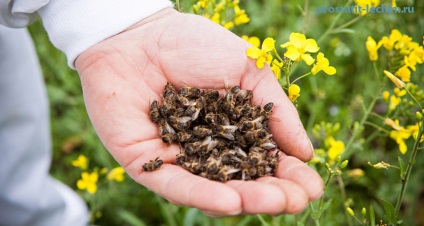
[
  {"x": 338, "y": 158},
  {"x": 350, "y": 211},
  {"x": 344, "y": 164},
  {"x": 327, "y": 166},
  {"x": 419, "y": 116},
  {"x": 364, "y": 212},
  {"x": 394, "y": 79}
]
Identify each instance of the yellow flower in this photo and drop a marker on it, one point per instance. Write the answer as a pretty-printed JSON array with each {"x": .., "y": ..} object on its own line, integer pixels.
[
  {"x": 403, "y": 42},
  {"x": 276, "y": 68},
  {"x": 388, "y": 43},
  {"x": 366, "y": 3},
  {"x": 394, "y": 102},
  {"x": 116, "y": 174},
  {"x": 228, "y": 25},
  {"x": 399, "y": 92},
  {"x": 252, "y": 40},
  {"x": 410, "y": 62},
  {"x": 336, "y": 148},
  {"x": 81, "y": 162},
  {"x": 88, "y": 182},
  {"x": 394, "y": 79},
  {"x": 386, "y": 95},
  {"x": 400, "y": 136},
  {"x": 240, "y": 16},
  {"x": 262, "y": 55},
  {"x": 298, "y": 46},
  {"x": 216, "y": 17},
  {"x": 372, "y": 48},
  {"x": 404, "y": 73},
  {"x": 414, "y": 129},
  {"x": 322, "y": 64},
  {"x": 294, "y": 92},
  {"x": 417, "y": 55}
]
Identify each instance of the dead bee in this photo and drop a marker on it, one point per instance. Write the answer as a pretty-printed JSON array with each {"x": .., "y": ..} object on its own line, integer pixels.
[
  {"x": 243, "y": 96},
  {"x": 152, "y": 165},
  {"x": 268, "y": 145},
  {"x": 165, "y": 128},
  {"x": 251, "y": 125},
  {"x": 235, "y": 89},
  {"x": 194, "y": 109},
  {"x": 222, "y": 119},
  {"x": 266, "y": 110},
  {"x": 154, "y": 112},
  {"x": 169, "y": 138},
  {"x": 183, "y": 137},
  {"x": 236, "y": 113},
  {"x": 252, "y": 136},
  {"x": 207, "y": 146},
  {"x": 191, "y": 148},
  {"x": 225, "y": 173},
  {"x": 202, "y": 131},
  {"x": 181, "y": 158},
  {"x": 213, "y": 165},
  {"x": 211, "y": 95},
  {"x": 256, "y": 158},
  {"x": 228, "y": 102},
  {"x": 225, "y": 131},
  {"x": 184, "y": 100},
  {"x": 180, "y": 123},
  {"x": 167, "y": 108},
  {"x": 194, "y": 167},
  {"x": 210, "y": 118},
  {"x": 169, "y": 92},
  {"x": 188, "y": 91}
]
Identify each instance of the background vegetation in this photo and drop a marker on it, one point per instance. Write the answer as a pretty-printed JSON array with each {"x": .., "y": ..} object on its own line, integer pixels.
[{"x": 338, "y": 100}]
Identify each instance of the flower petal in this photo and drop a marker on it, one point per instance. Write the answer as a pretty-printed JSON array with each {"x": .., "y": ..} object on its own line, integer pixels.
[
  {"x": 330, "y": 70},
  {"x": 311, "y": 45},
  {"x": 268, "y": 45},
  {"x": 253, "y": 52},
  {"x": 308, "y": 59}
]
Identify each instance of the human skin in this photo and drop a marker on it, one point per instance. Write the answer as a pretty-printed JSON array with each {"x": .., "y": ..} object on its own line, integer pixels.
[{"x": 123, "y": 74}]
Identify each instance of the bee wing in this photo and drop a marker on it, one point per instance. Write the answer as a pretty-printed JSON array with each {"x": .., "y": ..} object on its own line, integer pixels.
[
  {"x": 185, "y": 119},
  {"x": 195, "y": 115},
  {"x": 169, "y": 128},
  {"x": 228, "y": 136},
  {"x": 231, "y": 128}
]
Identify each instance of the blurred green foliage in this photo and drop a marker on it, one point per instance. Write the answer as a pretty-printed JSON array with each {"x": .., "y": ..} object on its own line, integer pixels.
[{"x": 334, "y": 99}]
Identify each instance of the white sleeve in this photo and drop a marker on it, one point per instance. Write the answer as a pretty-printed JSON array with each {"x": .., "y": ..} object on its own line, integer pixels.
[{"x": 74, "y": 26}]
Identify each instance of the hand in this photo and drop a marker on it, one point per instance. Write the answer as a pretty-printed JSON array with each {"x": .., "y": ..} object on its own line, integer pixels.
[{"x": 123, "y": 74}]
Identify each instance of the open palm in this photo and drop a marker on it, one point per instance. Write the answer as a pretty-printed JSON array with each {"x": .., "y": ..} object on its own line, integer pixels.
[{"x": 122, "y": 75}]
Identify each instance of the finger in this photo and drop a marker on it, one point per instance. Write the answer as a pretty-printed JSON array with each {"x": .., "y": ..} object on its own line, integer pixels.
[
  {"x": 259, "y": 198},
  {"x": 293, "y": 169},
  {"x": 287, "y": 129},
  {"x": 183, "y": 188},
  {"x": 297, "y": 199}
]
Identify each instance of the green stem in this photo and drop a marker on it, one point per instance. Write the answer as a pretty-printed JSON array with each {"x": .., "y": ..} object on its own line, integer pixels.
[
  {"x": 300, "y": 77},
  {"x": 177, "y": 5},
  {"x": 305, "y": 14},
  {"x": 409, "y": 168},
  {"x": 376, "y": 126},
  {"x": 357, "y": 130},
  {"x": 262, "y": 220},
  {"x": 343, "y": 194},
  {"x": 416, "y": 101},
  {"x": 376, "y": 71},
  {"x": 329, "y": 29},
  {"x": 347, "y": 24}
]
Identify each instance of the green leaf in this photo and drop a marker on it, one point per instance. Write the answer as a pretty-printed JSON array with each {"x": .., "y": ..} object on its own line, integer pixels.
[
  {"x": 390, "y": 211},
  {"x": 190, "y": 217},
  {"x": 402, "y": 167},
  {"x": 130, "y": 218},
  {"x": 321, "y": 210},
  {"x": 372, "y": 216}
]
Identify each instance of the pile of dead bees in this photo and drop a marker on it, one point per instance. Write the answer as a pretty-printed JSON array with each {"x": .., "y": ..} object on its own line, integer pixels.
[{"x": 221, "y": 138}]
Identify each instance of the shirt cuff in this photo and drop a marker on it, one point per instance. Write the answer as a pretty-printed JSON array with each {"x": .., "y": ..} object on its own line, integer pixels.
[{"x": 74, "y": 26}]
